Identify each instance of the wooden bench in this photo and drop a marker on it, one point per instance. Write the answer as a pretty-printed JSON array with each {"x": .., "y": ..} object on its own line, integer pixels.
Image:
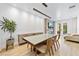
[{"x": 20, "y": 37}]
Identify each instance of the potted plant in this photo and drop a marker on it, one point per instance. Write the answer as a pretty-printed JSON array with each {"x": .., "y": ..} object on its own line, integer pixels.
[{"x": 8, "y": 25}]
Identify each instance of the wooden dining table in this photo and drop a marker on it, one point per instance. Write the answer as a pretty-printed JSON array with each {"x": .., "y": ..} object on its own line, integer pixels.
[{"x": 38, "y": 39}]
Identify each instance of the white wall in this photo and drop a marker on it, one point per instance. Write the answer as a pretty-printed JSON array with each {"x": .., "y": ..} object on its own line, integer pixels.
[
  {"x": 71, "y": 25},
  {"x": 78, "y": 25},
  {"x": 25, "y": 21},
  {"x": 69, "y": 14}
]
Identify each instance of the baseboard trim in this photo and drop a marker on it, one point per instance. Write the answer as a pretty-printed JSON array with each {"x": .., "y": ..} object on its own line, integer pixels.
[{"x": 72, "y": 41}]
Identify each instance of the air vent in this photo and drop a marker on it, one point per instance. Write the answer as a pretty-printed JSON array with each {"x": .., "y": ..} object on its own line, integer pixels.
[
  {"x": 41, "y": 13},
  {"x": 44, "y": 4},
  {"x": 72, "y": 6}
]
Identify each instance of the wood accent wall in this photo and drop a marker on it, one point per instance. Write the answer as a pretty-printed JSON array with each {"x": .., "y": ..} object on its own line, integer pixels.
[{"x": 45, "y": 25}]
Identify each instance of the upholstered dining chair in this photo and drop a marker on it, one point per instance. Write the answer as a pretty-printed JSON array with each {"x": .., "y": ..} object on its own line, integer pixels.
[{"x": 44, "y": 49}]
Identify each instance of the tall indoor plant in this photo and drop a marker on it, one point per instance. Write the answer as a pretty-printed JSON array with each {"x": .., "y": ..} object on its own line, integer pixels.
[{"x": 8, "y": 25}]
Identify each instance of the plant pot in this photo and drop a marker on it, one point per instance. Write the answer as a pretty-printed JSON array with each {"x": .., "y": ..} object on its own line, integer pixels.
[{"x": 9, "y": 44}]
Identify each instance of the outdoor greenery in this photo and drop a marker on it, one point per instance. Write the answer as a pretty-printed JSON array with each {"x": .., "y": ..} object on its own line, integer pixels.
[{"x": 64, "y": 28}]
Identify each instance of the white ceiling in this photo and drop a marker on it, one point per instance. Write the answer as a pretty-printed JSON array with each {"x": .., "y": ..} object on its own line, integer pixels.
[{"x": 51, "y": 10}]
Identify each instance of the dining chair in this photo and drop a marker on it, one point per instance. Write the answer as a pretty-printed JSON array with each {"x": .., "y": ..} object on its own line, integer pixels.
[
  {"x": 56, "y": 41},
  {"x": 44, "y": 49}
]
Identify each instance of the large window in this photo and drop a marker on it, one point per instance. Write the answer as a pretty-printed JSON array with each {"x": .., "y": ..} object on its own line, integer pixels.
[{"x": 51, "y": 25}]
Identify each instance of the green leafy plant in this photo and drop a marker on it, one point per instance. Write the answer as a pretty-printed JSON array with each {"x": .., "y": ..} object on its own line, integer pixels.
[{"x": 8, "y": 25}]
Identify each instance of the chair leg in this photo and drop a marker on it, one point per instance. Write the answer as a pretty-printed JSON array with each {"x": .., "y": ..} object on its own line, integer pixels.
[
  {"x": 31, "y": 47},
  {"x": 49, "y": 52},
  {"x": 46, "y": 51},
  {"x": 27, "y": 45},
  {"x": 52, "y": 50},
  {"x": 35, "y": 52},
  {"x": 54, "y": 46},
  {"x": 57, "y": 45}
]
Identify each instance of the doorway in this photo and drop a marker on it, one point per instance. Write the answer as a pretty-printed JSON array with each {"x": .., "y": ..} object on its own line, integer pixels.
[
  {"x": 59, "y": 28},
  {"x": 62, "y": 28}
]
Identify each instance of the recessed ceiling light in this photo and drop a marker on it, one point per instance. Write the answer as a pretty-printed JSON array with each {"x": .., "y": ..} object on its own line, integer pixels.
[
  {"x": 44, "y": 4},
  {"x": 72, "y": 6}
]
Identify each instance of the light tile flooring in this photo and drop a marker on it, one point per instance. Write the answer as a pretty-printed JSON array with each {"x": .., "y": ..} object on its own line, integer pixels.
[{"x": 66, "y": 49}]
